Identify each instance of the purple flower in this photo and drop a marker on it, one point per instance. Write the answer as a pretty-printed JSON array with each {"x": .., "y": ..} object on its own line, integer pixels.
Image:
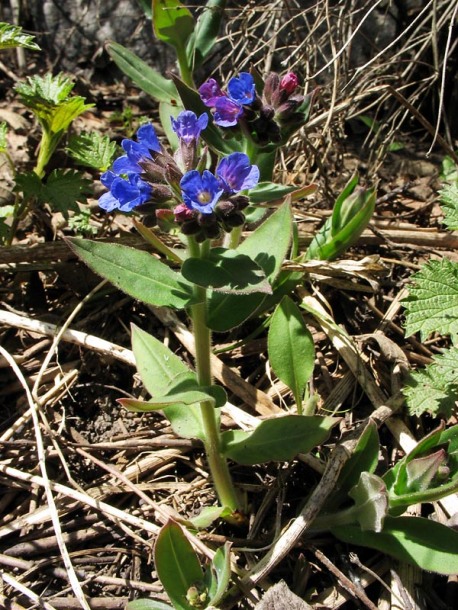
[
  {"x": 136, "y": 151},
  {"x": 209, "y": 92},
  {"x": 188, "y": 127},
  {"x": 125, "y": 193},
  {"x": 200, "y": 192},
  {"x": 242, "y": 88},
  {"x": 227, "y": 112},
  {"x": 236, "y": 174}
]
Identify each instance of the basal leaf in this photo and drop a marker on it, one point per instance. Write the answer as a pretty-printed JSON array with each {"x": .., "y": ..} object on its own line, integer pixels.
[
  {"x": 421, "y": 542},
  {"x": 291, "y": 349},
  {"x": 145, "y": 77},
  {"x": 206, "y": 30},
  {"x": 265, "y": 192},
  {"x": 63, "y": 189},
  {"x": 432, "y": 304},
  {"x": 177, "y": 565},
  {"x": 135, "y": 272},
  {"x": 277, "y": 439}
]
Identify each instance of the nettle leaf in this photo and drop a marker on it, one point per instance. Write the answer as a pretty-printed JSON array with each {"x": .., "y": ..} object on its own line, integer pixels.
[
  {"x": 47, "y": 90},
  {"x": 291, "y": 349},
  {"x": 226, "y": 271},
  {"x": 12, "y": 36},
  {"x": 67, "y": 112},
  {"x": 63, "y": 189},
  {"x": 449, "y": 204},
  {"x": 277, "y": 439},
  {"x": 29, "y": 184},
  {"x": 177, "y": 565},
  {"x": 420, "y": 542},
  {"x": 432, "y": 304},
  {"x": 173, "y": 23},
  {"x": 226, "y": 311},
  {"x": 92, "y": 150},
  {"x": 149, "y": 80},
  {"x": 135, "y": 272},
  {"x": 434, "y": 389}
]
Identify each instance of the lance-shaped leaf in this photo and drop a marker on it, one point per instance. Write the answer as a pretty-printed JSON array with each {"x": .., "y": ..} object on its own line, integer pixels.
[
  {"x": 206, "y": 30},
  {"x": 149, "y": 80},
  {"x": 226, "y": 311},
  {"x": 226, "y": 271},
  {"x": 421, "y": 542},
  {"x": 371, "y": 502},
  {"x": 162, "y": 372},
  {"x": 218, "y": 575},
  {"x": 148, "y": 604},
  {"x": 277, "y": 439},
  {"x": 352, "y": 212},
  {"x": 291, "y": 349},
  {"x": 135, "y": 272},
  {"x": 265, "y": 192},
  {"x": 215, "y": 395},
  {"x": 177, "y": 566}
]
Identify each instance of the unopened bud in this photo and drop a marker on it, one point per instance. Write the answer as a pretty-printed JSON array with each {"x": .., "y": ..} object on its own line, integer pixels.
[
  {"x": 289, "y": 83},
  {"x": 271, "y": 85}
]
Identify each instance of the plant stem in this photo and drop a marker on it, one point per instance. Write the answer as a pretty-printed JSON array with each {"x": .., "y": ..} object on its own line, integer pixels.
[
  {"x": 185, "y": 70},
  {"x": 202, "y": 336}
]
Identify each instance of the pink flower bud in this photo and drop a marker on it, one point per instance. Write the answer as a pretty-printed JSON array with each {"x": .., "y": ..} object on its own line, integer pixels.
[{"x": 289, "y": 83}]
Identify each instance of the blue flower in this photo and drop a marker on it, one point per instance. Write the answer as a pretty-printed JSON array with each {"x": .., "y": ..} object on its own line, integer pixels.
[
  {"x": 209, "y": 92},
  {"x": 136, "y": 151},
  {"x": 236, "y": 173},
  {"x": 188, "y": 127},
  {"x": 200, "y": 192},
  {"x": 242, "y": 88},
  {"x": 227, "y": 112},
  {"x": 125, "y": 193}
]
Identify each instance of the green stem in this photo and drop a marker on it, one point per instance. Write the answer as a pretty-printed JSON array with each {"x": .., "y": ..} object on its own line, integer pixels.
[
  {"x": 232, "y": 239},
  {"x": 185, "y": 70},
  {"x": 202, "y": 336},
  {"x": 47, "y": 146}
]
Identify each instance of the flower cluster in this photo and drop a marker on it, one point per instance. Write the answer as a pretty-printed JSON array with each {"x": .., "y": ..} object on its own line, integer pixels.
[
  {"x": 267, "y": 117},
  {"x": 211, "y": 201},
  {"x": 147, "y": 176},
  {"x": 229, "y": 107}
]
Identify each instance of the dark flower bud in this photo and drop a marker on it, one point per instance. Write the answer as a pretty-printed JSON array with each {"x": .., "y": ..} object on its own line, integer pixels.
[
  {"x": 183, "y": 214},
  {"x": 173, "y": 174},
  {"x": 225, "y": 207},
  {"x": 271, "y": 85},
  {"x": 289, "y": 83},
  {"x": 285, "y": 110},
  {"x": 190, "y": 227},
  {"x": 149, "y": 221},
  {"x": 212, "y": 231},
  {"x": 146, "y": 208},
  {"x": 236, "y": 219},
  {"x": 240, "y": 201},
  {"x": 161, "y": 193},
  {"x": 267, "y": 112}
]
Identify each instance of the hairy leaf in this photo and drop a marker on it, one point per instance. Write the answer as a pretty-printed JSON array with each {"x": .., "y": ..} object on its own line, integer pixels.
[
  {"x": 12, "y": 36},
  {"x": 449, "y": 201},
  {"x": 92, "y": 149},
  {"x": 432, "y": 304}
]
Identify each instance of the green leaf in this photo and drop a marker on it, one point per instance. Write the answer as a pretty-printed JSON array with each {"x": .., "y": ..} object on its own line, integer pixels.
[
  {"x": 166, "y": 111},
  {"x": 67, "y": 112},
  {"x": 146, "y": 6},
  {"x": 173, "y": 23},
  {"x": 150, "y": 81},
  {"x": 216, "y": 395},
  {"x": 420, "y": 542},
  {"x": 206, "y": 30},
  {"x": 208, "y": 515},
  {"x": 177, "y": 565},
  {"x": 161, "y": 371},
  {"x": 220, "y": 574},
  {"x": 12, "y": 36},
  {"x": 277, "y": 439},
  {"x": 226, "y": 271},
  {"x": 227, "y": 311},
  {"x": 29, "y": 184},
  {"x": 135, "y": 272},
  {"x": 92, "y": 150},
  {"x": 449, "y": 203},
  {"x": 266, "y": 192},
  {"x": 434, "y": 389},
  {"x": 363, "y": 459},
  {"x": 147, "y": 604},
  {"x": 291, "y": 349},
  {"x": 63, "y": 189},
  {"x": 432, "y": 304},
  {"x": 3, "y": 134},
  {"x": 351, "y": 214},
  {"x": 428, "y": 473}
]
